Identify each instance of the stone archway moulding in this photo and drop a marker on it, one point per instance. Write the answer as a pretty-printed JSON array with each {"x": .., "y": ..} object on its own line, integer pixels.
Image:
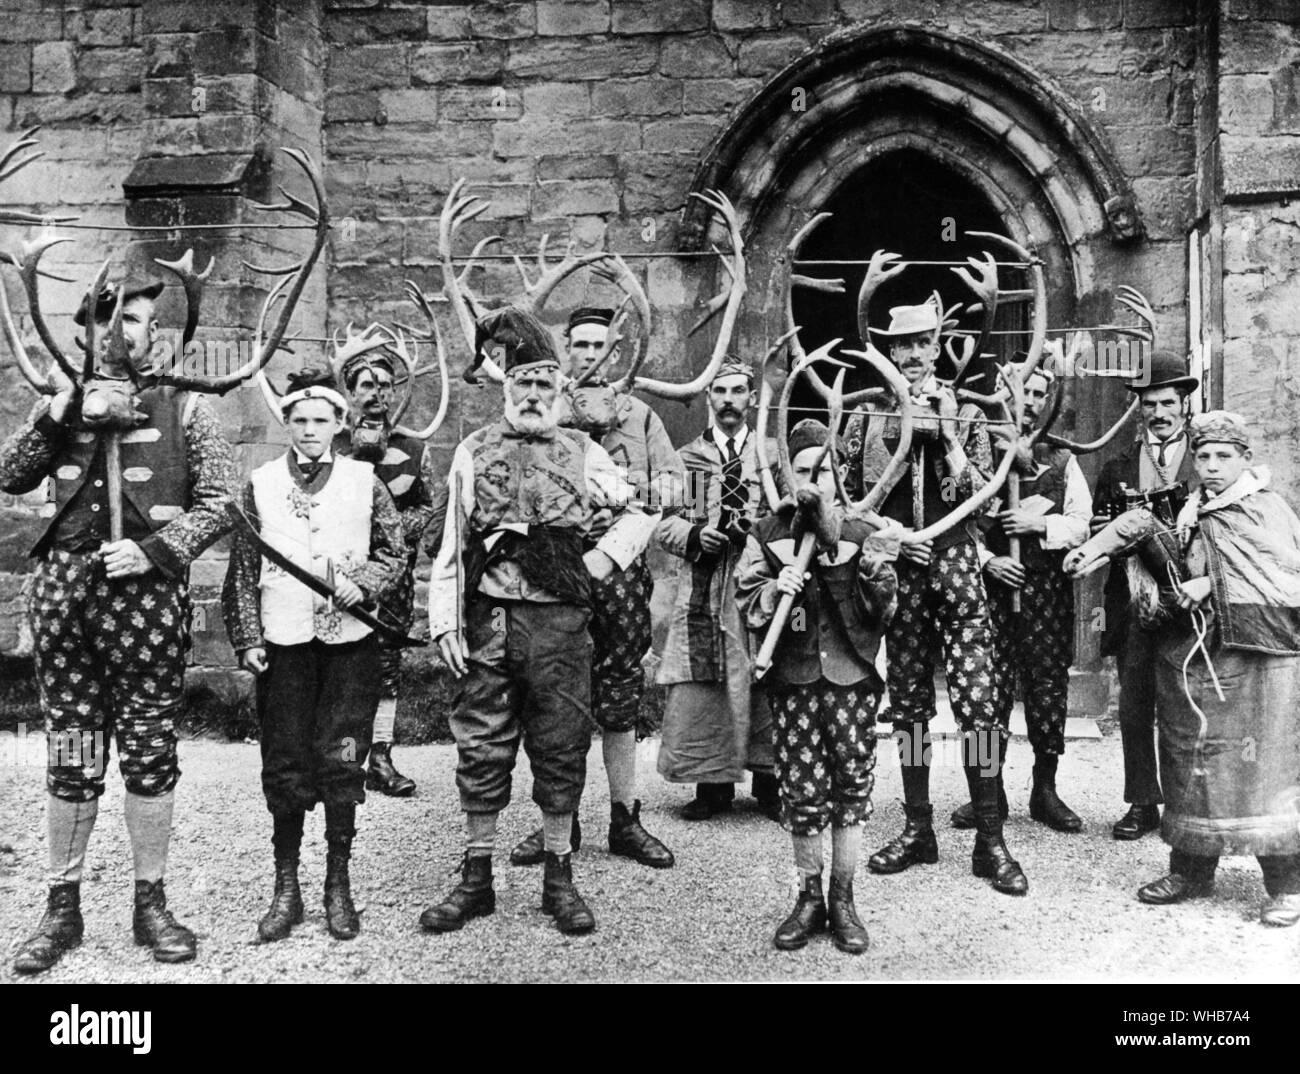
[{"x": 961, "y": 99}]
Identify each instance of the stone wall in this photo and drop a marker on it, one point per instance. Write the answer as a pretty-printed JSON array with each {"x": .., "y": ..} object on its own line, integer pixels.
[
  {"x": 585, "y": 120},
  {"x": 1259, "y": 177}
]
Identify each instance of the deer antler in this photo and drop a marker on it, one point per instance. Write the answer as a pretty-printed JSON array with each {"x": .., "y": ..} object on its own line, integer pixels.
[
  {"x": 635, "y": 301},
  {"x": 193, "y": 284},
  {"x": 269, "y": 394},
  {"x": 735, "y": 295},
  {"x": 318, "y": 214},
  {"x": 982, "y": 279},
  {"x": 28, "y": 263},
  {"x": 417, "y": 296},
  {"x": 1137, "y": 302},
  {"x": 879, "y": 269},
  {"x": 889, "y": 477}
]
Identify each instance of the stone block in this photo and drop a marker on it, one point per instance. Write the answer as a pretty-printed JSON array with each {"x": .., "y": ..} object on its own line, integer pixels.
[
  {"x": 746, "y": 14},
  {"x": 54, "y": 68},
  {"x": 15, "y": 68},
  {"x": 569, "y": 166},
  {"x": 394, "y": 24},
  {"x": 1255, "y": 166},
  {"x": 410, "y": 105},
  {"x": 696, "y": 57},
  {"x": 654, "y": 182},
  {"x": 893, "y": 10},
  {"x": 1144, "y": 14},
  {"x": 32, "y": 26},
  {"x": 688, "y": 134},
  {"x": 573, "y": 60},
  {"x": 475, "y": 61},
  {"x": 1256, "y": 46},
  {"x": 457, "y": 103},
  {"x": 535, "y": 138},
  {"x": 712, "y": 95},
  {"x": 576, "y": 197},
  {"x": 1245, "y": 104},
  {"x": 366, "y": 67},
  {"x": 650, "y": 96},
  {"x": 768, "y": 54},
  {"x": 502, "y": 20},
  {"x": 659, "y": 16},
  {"x": 558, "y": 99},
  {"x": 1084, "y": 14},
  {"x": 1143, "y": 151},
  {"x": 566, "y": 18},
  {"x": 448, "y": 22},
  {"x": 1286, "y": 99},
  {"x": 109, "y": 70},
  {"x": 351, "y": 106},
  {"x": 1167, "y": 205}
]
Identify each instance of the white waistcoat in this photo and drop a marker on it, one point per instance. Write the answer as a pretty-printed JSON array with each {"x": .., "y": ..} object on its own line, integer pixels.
[{"x": 313, "y": 530}]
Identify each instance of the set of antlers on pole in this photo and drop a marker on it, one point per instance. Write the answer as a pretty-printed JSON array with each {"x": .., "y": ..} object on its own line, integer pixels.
[
  {"x": 85, "y": 381},
  {"x": 461, "y": 208}
]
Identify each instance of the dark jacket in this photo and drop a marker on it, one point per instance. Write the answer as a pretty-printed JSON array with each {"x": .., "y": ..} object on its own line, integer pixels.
[
  {"x": 1125, "y": 469},
  {"x": 837, "y": 620}
]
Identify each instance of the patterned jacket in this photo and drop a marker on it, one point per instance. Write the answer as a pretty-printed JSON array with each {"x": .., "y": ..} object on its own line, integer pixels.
[{"x": 37, "y": 451}]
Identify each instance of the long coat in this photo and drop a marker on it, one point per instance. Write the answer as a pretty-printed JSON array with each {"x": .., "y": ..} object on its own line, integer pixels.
[
  {"x": 1232, "y": 777},
  {"x": 707, "y": 643}
]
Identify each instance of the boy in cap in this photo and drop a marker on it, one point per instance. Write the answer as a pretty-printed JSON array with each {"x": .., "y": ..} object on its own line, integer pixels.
[
  {"x": 317, "y": 667},
  {"x": 110, "y": 618},
  {"x": 823, "y": 687},
  {"x": 1230, "y": 766},
  {"x": 512, "y": 622}
]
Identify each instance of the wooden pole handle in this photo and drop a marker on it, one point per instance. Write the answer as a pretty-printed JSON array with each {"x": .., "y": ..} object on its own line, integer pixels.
[{"x": 802, "y": 559}]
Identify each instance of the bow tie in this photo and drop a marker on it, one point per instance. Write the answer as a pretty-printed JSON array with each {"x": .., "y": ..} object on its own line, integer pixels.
[{"x": 309, "y": 470}]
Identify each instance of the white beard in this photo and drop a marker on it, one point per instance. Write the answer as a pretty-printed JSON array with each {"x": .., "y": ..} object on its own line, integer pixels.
[{"x": 531, "y": 424}]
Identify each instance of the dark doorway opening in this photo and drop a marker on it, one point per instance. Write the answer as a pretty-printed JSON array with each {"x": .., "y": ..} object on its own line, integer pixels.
[{"x": 908, "y": 203}]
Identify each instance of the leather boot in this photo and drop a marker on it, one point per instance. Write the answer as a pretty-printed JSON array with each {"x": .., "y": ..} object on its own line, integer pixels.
[
  {"x": 991, "y": 859},
  {"x": 629, "y": 840},
  {"x": 340, "y": 914},
  {"x": 472, "y": 897},
  {"x": 286, "y": 903},
  {"x": 155, "y": 927},
  {"x": 1044, "y": 805},
  {"x": 60, "y": 930},
  {"x": 710, "y": 799},
  {"x": 766, "y": 790},
  {"x": 964, "y": 815},
  {"x": 806, "y": 919},
  {"x": 847, "y": 931},
  {"x": 915, "y": 845},
  {"x": 382, "y": 776},
  {"x": 560, "y": 898},
  {"x": 532, "y": 850}
]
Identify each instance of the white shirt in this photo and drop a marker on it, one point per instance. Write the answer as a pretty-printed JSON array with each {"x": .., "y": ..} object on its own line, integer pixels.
[
  {"x": 1069, "y": 527},
  {"x": 720, "y": 438}
]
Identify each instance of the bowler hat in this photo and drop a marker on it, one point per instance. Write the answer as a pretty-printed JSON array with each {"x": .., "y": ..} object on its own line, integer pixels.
[{"x": 1164, "y": 369}]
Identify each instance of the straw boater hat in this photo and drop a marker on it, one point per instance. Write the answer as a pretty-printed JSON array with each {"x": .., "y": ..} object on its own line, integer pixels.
[{"x": 910, "y": 320}]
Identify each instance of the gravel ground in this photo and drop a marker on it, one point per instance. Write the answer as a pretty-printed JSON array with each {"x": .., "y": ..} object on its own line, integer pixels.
[{"x": 710, "y": 918}]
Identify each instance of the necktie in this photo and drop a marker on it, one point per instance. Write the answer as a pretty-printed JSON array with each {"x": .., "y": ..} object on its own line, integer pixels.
[
  {"x": 733, "y": 488},
  {"x": 1165, "y": 445}
]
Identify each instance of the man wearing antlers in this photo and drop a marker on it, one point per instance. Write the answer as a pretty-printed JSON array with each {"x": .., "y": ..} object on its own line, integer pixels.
[
  {"x": 716, "y": 723},
  {"x": 637, "y": 441},
  {"x": 941, "y": 600},
  {"x": 399, "y": 462},
  {"x": 510, "y": 598},
  {"x": 110, "y": 617},
  {"x": 1035, "y": 644}
]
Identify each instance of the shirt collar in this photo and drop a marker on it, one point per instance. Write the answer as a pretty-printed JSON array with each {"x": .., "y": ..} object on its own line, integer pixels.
[
  {"x": 720, "y": 438},
  {"x": 302, "y": 460},
  {"x": 1176, "y": 441}
]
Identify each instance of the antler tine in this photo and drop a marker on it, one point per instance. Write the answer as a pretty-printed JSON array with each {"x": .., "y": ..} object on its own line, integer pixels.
[
  {"x": 783, "y": 462},
  {"x": 444, "y": 395},
  {"x": 473, "y": 262},
  {"x": 617, "y": 270},
  {"x": 32, "y": 252},
  {"x": 1136, "y": 301},
  {"x": 192, "y": 282},
  {"x": 41, "y": 383},
  {"x": 457, "y": 211},
  {"x": 985, "y": 288},
  {"x": 667, "y": 390},
  {"x": 319, "y": 215},
  {"x": 786, "y": 279},
  {"x": 613, "y": 337},
  {"x": 882, "y": 267},
  {"x": 764, "y": 408},
  {"x": 269, "y": 395},
  {"x": 894, "y": 381},
  {"x": 92, "y": 295}
]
